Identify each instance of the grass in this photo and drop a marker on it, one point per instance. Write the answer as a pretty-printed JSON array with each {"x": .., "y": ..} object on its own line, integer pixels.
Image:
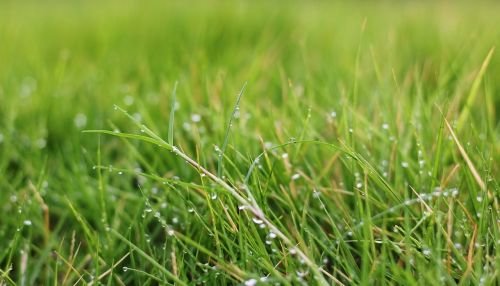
[{"x": 249, "y": 143}]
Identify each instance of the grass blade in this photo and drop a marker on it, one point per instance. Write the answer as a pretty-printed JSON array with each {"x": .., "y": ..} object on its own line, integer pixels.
[
  {"x": 148, "y": 258},
  {"x": 228, "y": 131},
  {"x": 474, "y": 89},
  {"x": 172, "y": 116}
]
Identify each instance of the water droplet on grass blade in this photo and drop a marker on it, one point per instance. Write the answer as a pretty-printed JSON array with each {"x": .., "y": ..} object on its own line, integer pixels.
[
  {"x": 316, "y": 194},
  {"x": 257, "y": 221},
  {"x": 251, "y": 282},
  {"x": 302, "y": 273}
]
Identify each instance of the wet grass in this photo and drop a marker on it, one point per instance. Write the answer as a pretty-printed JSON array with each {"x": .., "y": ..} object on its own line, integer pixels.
[{"x": 249, "y": 143}]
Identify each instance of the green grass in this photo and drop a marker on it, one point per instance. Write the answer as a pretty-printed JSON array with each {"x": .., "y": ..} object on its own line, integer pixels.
[{"x": 227, "y": 143}]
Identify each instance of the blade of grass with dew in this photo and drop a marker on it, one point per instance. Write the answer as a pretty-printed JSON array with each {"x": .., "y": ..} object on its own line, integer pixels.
[
  {"x": 173, "y": 106},
  {"x": 236, "y": 108},
  {"x": 149, "y": 258},
  {"x": 255, "y": 210}
]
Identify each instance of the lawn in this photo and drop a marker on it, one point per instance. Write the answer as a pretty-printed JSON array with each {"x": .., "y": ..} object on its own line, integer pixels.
[{"x": 249, "y": 143}]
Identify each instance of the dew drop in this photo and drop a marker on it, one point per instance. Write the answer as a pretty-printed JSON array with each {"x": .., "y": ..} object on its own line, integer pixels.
[
  {"x": 251, "y": 282},
  {"x": 302, "y": 274},
  {"x": 195, "y": 117},
  {"x": 80, "y": 120},
  {"x": 257, "y": 221}
]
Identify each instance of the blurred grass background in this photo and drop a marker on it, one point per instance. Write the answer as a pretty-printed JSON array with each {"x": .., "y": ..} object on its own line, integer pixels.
[{"x": 59, "y": 59}]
